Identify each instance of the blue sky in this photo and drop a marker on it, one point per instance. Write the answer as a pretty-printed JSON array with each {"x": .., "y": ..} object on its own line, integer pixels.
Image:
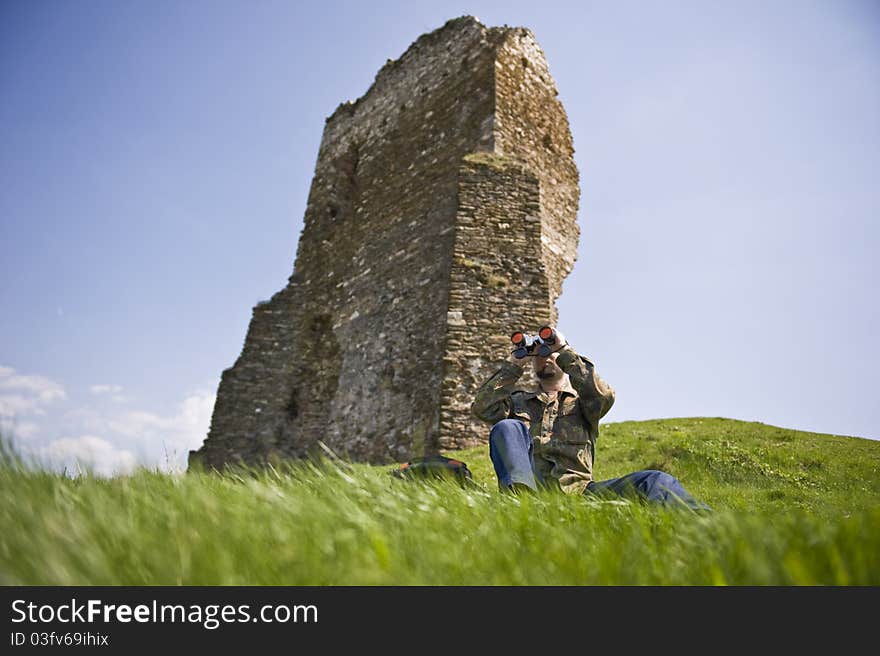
[{"x": 156, "y": 158}]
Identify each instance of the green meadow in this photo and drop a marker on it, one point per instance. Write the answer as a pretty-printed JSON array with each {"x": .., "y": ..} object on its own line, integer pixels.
[{"x": 790, "y": 508}]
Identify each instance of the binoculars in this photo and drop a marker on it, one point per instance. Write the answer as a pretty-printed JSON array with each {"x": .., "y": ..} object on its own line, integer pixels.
[{"x": 540, "y": 344}]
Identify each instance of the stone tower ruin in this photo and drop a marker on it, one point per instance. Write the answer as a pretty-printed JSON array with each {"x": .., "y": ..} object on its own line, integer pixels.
[{"x": 441, "y": 218}]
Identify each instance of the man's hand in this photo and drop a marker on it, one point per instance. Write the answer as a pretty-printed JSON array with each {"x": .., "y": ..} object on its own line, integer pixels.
[
  {"x": 520, "y": 362},
  {"x": 560, "y": 342}
]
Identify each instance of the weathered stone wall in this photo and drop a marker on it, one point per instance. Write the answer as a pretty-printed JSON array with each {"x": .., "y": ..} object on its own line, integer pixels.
[
  {"x": 404, "y": 264},
  {"x": 498, "y": 283},
  {"x": 531, "y": 126},
  {"x": 517, "y": 231}
]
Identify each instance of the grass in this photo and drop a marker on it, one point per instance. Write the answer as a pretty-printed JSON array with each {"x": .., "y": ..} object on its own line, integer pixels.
[{"x": 792, "y": 508}]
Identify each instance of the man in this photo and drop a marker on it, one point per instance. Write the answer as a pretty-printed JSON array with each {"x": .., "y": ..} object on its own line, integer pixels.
[{"x": 547, "y": 437}]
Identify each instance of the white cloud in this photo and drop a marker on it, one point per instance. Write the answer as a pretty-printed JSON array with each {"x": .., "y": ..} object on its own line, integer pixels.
[
  {"x": 12, "y": 428},
  {"x": 113, "y": 392},
  {"x": 100, "y": 434},
  {"x": 86, "y": 453},
  {"x": 105, "y": 389},
  {"x": 163, "y": 441},
  {"x": 25, "y": 429},
  {"x": 136, "y": 423},
  {"x": 41, "y": 387},
  {"x": 195, "y": 418},
  {"x": 22, "y": 395},
  {"x": 15, "y": 405},
  {"x": 178, "y": 434}
]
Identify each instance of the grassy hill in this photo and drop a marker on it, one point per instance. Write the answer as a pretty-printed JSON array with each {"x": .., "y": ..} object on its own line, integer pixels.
[{"x": 791, "y": 508}]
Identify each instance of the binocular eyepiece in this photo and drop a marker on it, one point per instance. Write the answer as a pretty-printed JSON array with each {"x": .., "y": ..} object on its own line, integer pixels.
[{"x": 540, "y": 344}]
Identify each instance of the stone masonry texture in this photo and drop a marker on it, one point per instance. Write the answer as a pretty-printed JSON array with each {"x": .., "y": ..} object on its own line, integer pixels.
[{"x": 441, "y": 218}]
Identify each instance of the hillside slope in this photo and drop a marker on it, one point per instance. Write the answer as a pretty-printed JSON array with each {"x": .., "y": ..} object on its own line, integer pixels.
[
  {"x": 791, "y": 508},
  {"x": 738, "y": 465}
]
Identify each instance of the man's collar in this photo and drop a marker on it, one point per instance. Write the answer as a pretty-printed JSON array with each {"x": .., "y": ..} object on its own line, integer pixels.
[
  {"x": 567, "y": 388},
  {"x": 541, "y": 395}
]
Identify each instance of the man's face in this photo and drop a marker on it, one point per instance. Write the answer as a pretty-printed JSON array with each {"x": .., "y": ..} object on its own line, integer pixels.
[{"x": 546, "y": 368}]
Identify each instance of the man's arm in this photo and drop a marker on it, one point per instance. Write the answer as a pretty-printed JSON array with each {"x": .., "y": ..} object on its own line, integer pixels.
[
  {"x": 492, "y": 401},
  {"x": 596, "y": 396}
]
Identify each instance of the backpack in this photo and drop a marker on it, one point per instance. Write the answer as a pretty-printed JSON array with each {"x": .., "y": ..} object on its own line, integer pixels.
[{"x": 434, "y": 467}]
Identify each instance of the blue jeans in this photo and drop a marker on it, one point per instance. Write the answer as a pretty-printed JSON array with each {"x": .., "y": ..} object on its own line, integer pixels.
[
  {"x": 650, "y": 485},
  {"x": 511, "y": 451}
]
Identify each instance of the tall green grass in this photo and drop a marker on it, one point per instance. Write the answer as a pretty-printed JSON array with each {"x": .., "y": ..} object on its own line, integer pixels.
[{"x": 791, "y": 508}]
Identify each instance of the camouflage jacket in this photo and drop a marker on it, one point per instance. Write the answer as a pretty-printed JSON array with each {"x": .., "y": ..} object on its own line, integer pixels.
[{"x": 564, "y": 430}]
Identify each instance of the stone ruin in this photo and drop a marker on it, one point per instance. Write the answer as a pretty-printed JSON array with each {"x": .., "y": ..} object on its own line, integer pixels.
[{"x": 441, "y": 218}]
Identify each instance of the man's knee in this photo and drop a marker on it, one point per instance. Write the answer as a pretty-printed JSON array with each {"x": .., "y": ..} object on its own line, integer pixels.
[
  {"x": 660, "y": 479},
  {"x": 661, "y": 486},
  {"x": 507, "y": 427},
  {"x": 508, "y": 424},
  {"x": 509, "y": 436},
  {"x": 658, "y": 475},
  {"x": 510, "y": 449}
]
